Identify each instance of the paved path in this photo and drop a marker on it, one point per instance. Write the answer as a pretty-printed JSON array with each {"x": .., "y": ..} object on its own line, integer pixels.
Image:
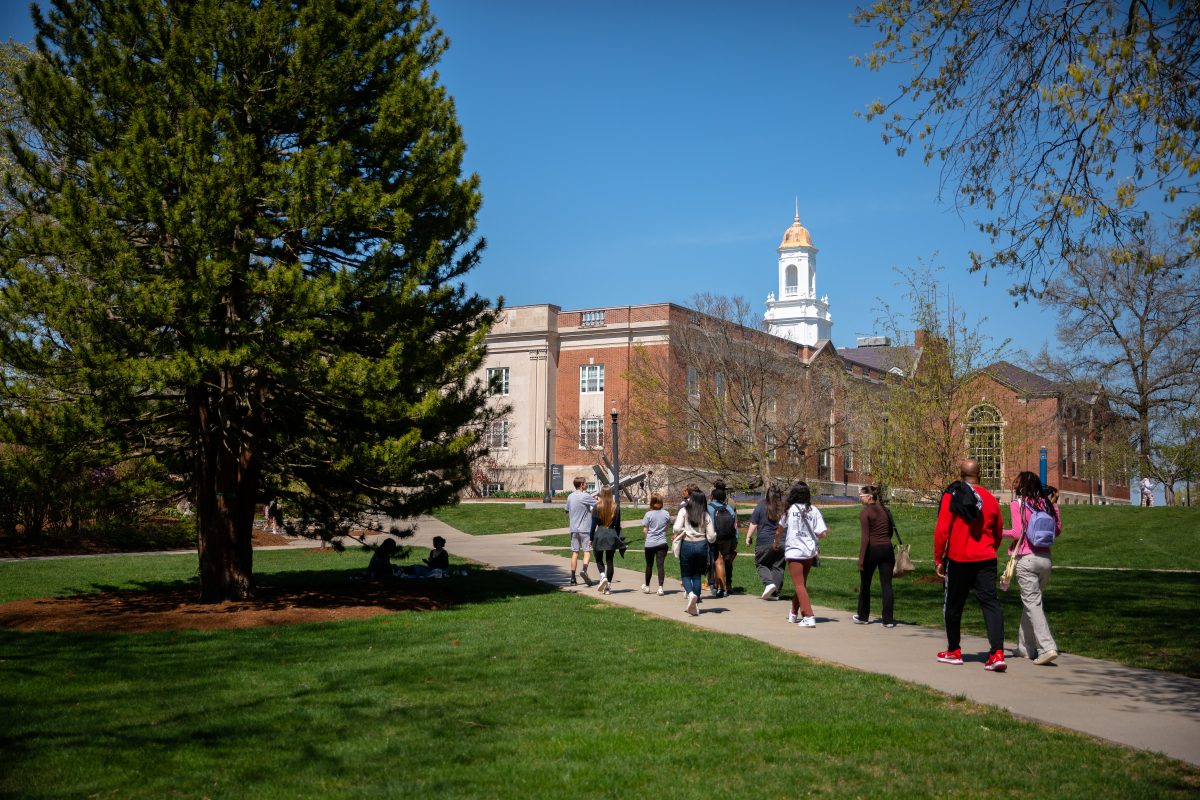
[{"x": 1144, "y": 709}]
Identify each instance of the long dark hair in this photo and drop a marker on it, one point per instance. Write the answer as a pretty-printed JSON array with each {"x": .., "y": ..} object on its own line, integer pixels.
[
  {"x": 799, "y": 494},
  {"x": 775, "y": 504},
  {"x": 697, "y": 507},
  {"x": 1028, "y": 485}
]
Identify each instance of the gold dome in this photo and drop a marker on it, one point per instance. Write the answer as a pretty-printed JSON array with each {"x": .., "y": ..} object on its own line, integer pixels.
[{"x": 796, "y": 236}]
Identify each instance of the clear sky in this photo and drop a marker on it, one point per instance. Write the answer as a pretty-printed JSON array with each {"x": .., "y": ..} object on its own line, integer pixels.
[{"x": 640, "y": 152}]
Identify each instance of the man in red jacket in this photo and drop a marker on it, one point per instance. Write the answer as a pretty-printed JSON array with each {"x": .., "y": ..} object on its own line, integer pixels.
[{"x": 964, "y": 554}]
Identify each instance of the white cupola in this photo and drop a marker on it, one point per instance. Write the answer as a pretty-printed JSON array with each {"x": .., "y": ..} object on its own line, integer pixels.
[{"x": 795, "y": 312}]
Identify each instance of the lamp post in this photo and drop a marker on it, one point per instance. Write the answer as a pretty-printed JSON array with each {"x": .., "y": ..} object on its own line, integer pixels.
[
  {"x": 884, "y": 478},
  {"x": 1087, "y": 454},
  {"x": 616, "y": 462},
  {"x": 549, "y": 498}
]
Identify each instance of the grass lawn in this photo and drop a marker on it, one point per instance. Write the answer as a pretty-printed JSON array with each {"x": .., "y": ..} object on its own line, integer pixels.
[
  {"x": 486, "y": 518},
  {"x": 1140, "y": 618},
  {"x": 516, "y": 692}
]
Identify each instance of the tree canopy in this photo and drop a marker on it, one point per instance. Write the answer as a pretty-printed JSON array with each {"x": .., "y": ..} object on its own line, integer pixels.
[
  {"x": 236, "y": 244},
  {"x": 1062, "y": 127}
]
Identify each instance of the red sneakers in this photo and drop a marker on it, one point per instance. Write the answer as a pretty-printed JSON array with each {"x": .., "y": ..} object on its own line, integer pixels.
[
  {"x": 996, "y": 662},
  {"x": 951, "y": 656}
]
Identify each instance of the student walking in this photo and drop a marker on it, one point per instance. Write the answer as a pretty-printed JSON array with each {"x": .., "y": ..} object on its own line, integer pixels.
[
  {"x": 965, "y": 542},
  {"x": 579, "y": 512},
  {"x": 768, "y": 554},
  {"x": 805, "y": 526},
  {"x": 875, "y": 553},
  {"x": 654, "y": 526},
  {"x": 606, "y": 536},
  {"x": 693, "y": 527},
  {"x": 1032, "y": 512},
  {"x": 723, "y": 550}
]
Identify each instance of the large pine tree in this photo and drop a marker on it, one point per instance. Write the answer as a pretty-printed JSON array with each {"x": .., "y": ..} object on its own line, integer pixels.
[{"x": 237, "y": 243}]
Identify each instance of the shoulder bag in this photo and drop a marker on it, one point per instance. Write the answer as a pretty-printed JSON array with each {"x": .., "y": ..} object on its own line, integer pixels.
[{"x": 903, "y": 565}]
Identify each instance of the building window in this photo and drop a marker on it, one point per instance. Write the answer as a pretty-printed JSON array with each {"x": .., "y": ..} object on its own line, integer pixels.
[
  {"x": 498, "y": 434},
  {"x": 985, "y": 443},
  {"x": 693, "y": 383},
  {"x": 791, "y": 280},
  {"x": 591, "y": 433},
  {"x": 591, "y": 378},
  {"x": 847, "y": 458},
  {"x": 770, "y": 403},
  {"x": 693, "y": 436},
  {"x": 492, "y": 489},
  {"x": 591, "y": 319},
  {"x": 769, "y": 445},
  {"x": 720, "y": 386},
  {"x": 794, "y": 451},
  {"x": 497, "y": 380}
]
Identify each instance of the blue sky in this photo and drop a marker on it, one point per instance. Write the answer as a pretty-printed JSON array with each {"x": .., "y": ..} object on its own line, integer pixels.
[{"x": 639, "y": 152}]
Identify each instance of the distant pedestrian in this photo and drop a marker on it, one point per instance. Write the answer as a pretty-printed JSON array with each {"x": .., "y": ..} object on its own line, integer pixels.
[
  {"x": 274, "y": 516},
  {"x": 965, "y": 541},
  {"x": 768, "y": 554},
  {"x": 579, "y": 513},
  {"x": 723, "y": 551},
  {"x": 654, "y": 526},
  {"x": 606, "y": 537},
  {"x": 1147, "y": 492},
  {"x": 1033, "y": 566},
  {"x": 875, "y": 553},
  {"x": 694, "y": 528},
  {"x": 805, "y": 526}
]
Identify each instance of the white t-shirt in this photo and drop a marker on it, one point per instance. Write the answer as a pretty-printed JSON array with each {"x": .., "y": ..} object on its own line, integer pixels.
[{"x": 803, "y": 528}]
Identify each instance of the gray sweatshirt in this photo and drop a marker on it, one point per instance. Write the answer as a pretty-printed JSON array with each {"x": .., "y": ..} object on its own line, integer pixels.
[{"x": 579, "y": 509}]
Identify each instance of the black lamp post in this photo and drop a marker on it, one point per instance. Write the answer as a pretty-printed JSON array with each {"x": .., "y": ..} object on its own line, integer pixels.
[
  {"x": 616, "y": 461},
  {"x": 883, "y": 481},
  {"x": 549, "y": 498}
]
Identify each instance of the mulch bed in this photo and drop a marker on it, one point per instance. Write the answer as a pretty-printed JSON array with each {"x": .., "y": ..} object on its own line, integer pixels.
[{"x": 178, "y": 609}]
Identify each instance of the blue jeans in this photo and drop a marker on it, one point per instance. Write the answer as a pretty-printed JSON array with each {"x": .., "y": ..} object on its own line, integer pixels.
[{"x": 693, "y": 563}]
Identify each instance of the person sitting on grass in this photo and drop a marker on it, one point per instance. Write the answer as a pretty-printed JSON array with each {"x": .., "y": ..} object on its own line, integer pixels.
[{"x": 380, "y": 567}]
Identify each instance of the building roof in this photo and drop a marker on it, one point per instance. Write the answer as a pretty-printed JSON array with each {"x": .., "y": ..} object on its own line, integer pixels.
[
  {"x": 796, "y": 236},
  {"x": 883, "y": 358},
  {"x": 1020, "y": 379}
]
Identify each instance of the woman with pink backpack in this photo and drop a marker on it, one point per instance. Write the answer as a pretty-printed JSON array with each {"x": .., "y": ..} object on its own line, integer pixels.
[{"x": 1035, "y": 526}]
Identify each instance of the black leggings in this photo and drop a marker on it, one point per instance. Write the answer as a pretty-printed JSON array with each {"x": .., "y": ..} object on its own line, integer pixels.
[
  {"x": 883, "y": 558},
  {"x": 606, "y": 569},
  {"x": 656, "y": 555}
]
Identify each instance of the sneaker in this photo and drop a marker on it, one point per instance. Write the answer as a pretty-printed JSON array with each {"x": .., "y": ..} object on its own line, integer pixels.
[
  {"x": 645, "y": 588},
  {"x": 1045, "y": 657},
  {"x": 950, "y": 656},
  {"x": 660, "y": 591},
  {"x": 1019, "y": 652},
  {"x": 889, "y": 624},
  {"x": 586, "y": 578},
  {"x": 808, "y": 622},
  {"x": 858, "y": 620},
  {"x": 603, "y": 585},
  {"x": 792, "y": 617},
  {"x": 769, "y": 592},
  {"x": 995, "y": 662},
  {"x": 691, "y": 605}
]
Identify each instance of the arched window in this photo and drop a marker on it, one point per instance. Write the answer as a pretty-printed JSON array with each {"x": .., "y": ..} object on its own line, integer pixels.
[
  {"x": 985, "y": 443},
  {"x": 791, "y": 280}
]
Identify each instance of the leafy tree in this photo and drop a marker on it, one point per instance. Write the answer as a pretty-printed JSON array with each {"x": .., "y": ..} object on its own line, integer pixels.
[
  {"x": 240, "y": 252},
  {"x": 938, "y": 364},
  {"x": 1129, "y": 324},
  {"x": 1065, "y": 126}
]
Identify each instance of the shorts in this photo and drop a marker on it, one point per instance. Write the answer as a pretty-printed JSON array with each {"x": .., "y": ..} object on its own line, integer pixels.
[
  {"x": 724, "y": 546},
  {"x": 580, "y": 542}
]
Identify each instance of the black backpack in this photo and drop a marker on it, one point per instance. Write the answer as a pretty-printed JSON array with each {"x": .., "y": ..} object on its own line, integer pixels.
[
  {"x": 724, "y": 523},
  {"x": 964, "y": 501}
]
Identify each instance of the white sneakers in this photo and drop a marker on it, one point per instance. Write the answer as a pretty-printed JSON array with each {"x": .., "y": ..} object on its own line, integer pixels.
[
  {"x": 603, "y": 588},
  {"x": 807, "y": 622},
  {"x": 770, "y": 591},
  {"x": 792, "y": 617},
  {"x": 660, "y": 591},
  {"x": 858, "y": 620},
  {"x": 645, "y": 588},
  {"x": 691, "y": 605}
]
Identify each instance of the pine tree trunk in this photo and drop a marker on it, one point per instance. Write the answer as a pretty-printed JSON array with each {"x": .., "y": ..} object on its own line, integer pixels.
[{"x": 226, "y": 495}]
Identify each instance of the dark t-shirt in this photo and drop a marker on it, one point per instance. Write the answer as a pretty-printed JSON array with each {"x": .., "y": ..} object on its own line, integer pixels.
[{"x": 765, "y": 534}]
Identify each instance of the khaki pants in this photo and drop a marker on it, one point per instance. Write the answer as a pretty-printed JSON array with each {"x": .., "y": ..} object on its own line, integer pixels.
[{"x": 1033, "y": 574}]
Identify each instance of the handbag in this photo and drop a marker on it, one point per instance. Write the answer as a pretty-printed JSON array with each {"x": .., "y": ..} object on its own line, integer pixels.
[
  {"x": 676, "y": 544},
  {"x": 903, "y": 564}
]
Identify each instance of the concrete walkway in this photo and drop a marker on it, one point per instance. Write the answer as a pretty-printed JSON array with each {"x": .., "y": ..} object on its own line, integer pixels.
[{"x": 1144, "y": 709}]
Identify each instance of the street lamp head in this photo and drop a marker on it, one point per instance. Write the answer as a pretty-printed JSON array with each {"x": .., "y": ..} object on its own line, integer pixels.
[{"x": 614, "y": 410}]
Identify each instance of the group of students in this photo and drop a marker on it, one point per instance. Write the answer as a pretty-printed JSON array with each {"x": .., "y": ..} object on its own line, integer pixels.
[{"x": 785, "y": 532}]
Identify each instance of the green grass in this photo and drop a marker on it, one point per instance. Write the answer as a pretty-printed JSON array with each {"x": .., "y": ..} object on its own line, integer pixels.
[
  {"x": 488, "y": 518},
  {"x": 1140, "y": 618},
  {"x": 517, "y": 691}
]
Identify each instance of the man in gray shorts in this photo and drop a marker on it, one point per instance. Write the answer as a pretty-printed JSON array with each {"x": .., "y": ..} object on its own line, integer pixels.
[{"x": 579, "y": 510}]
